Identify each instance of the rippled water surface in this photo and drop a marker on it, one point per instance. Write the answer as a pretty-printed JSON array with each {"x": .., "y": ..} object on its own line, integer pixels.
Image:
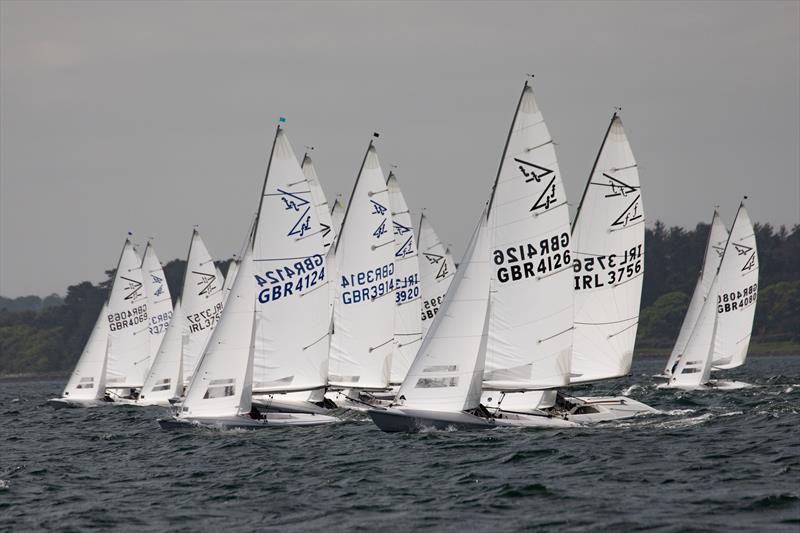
[{"x": 714, "y": 461}]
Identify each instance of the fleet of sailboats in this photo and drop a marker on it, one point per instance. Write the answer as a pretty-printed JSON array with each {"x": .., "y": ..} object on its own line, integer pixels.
[{"x": 334, "y": 307}]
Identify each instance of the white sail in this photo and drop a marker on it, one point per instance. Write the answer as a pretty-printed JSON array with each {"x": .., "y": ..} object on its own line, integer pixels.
[
  {"x": 738, "y": 291},
  {"x": 363, "y": 334},
  {"x": 88, "y": 379},
  {"x": 608, "y": 261},
  {"x": 164, "y": 379},
  {"x": 694, "y": 363},
  {"x": 715, "y": 247},
  {"x": 293, "y": 304},
  {"x": 530, "y": 326},
  {"x": 233, "y": 268},
  {"x": 222, "y": 384},
  {"x": 127, "y": 316},
  {"x": 436, "y": 271},
  {"x": 201, "y": 300},
  {"x": 159, "y": 301},
  {"x": 447, "y": 371},
  {"x": 320, "y": 202},
  {"x": 407, "y": 322}
]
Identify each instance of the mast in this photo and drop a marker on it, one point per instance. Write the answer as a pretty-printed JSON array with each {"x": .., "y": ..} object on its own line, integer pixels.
[{"x": 594, "y": 167}]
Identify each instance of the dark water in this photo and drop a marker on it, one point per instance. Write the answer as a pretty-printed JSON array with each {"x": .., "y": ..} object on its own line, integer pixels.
[{"x": 716, "y": 461}]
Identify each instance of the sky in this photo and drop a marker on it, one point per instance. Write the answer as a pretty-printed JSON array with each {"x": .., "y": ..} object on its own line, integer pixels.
[{"x": 152, "y": 117}]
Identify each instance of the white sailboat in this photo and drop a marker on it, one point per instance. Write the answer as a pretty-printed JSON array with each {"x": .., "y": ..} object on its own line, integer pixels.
[
  {"x": 194, "y": 317},
  {"x": 363, "y": 318},
  {"x": 159, "y": 301},
  {"x": 514, "y": 346},
  {"x": 201, "y": 302},
  {"x": 407, "y": 321},
  {"x": 293, "y": 306},
  {"x": 715, "y": 248},
  {"x": 86, "y": 385},
  {"x": 608, "y": 250},
  {"x": 128, "y": 329},
  {"x": 721, "y": 335},
  {"x": 436, "y": 271},
  {"x": 220, "y": 392}
]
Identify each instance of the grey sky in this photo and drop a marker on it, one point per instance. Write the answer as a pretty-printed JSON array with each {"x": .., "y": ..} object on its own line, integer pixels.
[{"x": 152, "y": 117}]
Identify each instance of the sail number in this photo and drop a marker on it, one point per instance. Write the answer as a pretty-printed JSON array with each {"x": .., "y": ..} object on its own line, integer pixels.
[
  {"x": 731, "y": 301},
  {"x": 205, "y": 319},
  {"x": 291, "y": 279},
  {"x": 430, "y": 307},
  {"x": 600, "y": 270},
  {"x": 528, "y": 260},
  {"x": 125, "y": 319},
  {"x": 159, "y": 323},
  {"x": 406, "y": 288},
  {"x": 367, "y": 285}
]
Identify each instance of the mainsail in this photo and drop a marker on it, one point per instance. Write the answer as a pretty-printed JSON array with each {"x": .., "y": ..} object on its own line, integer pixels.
[
  {"x": 436, "y": 271},
  {"x": 407, "y": 323},
  {"x": 127, "y": 321},
  {"x": 293, "y": 305},
  {"x": 446, "y": 373},
  {"x": 694, "y": 364},
  {"x": 715, "y": 247},
  {"x": 320, "y": 202},
  {"x": 159, "y": 302},
  {"x": 201, "y": 300},
  {"x": 738, "y": 291},
  {"x": 363, "y": 335},
  {"x": 222, "y": 384},
  {"x": 608, "y": 250},
  {"x": 233, "y": 269},
  {"x": 531, "y": 319},
  {"x": 337, "y": 218},
  {"x": 88, "y": 379}
]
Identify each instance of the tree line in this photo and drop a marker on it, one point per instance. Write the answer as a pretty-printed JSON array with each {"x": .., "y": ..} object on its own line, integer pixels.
[{"x": 38, "y": 336}]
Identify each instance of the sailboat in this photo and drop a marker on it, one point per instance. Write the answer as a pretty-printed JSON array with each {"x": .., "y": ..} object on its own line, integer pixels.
[
  {"x": 363, "y": 319},
  {"x": 436, "y": 271},
  {"x": 721, "y": 334},
  {"x": 608, "y": 248},
  {"x": 117, "y": 353},
  {"x": 273, "y": 330},
  {"x": 293, "y": 309},
  {"x": 715, "y": 248},
  {"x": 505, "y": 325},
  {"x": 159, "y": 301},
  {"x": 194, "y": 318}
]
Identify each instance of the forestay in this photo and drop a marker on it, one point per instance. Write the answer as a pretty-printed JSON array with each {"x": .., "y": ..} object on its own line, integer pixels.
[
  {"x": 715, "y": 247},
  {"x": 608, "y": 250},
  {"x": 222, "y": 385},
  {"x": 407, "y": 322},
  {"x": 363, "y": 334},
  {"x": 88, "y": 379},
  {"x": 738, "y": 291},
  {"x": 164, "y": 379},
  {"x": 292, "y": 305},
  {"x": 127, "y": 321},
  {"x": 530, "y": 325},
  {"x": 436, "y": 271},
  {"x": 202, "y": 302},
  {"x": 447, "y": 371},
  {"x": 159, "y": 301}
]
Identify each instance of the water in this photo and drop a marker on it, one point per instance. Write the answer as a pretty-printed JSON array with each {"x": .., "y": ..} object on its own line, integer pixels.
[{"x": 715, "y": 461}]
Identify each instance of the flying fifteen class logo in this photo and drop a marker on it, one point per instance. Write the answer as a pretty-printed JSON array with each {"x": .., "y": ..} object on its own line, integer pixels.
[
  {"x": 536, "y": 173},
  {"x": 159, "y": 284},
  {"x": 619, "y": 187},
  {"x": 380, "y": 210},
  {"x": 631, "y": 214},
  {"x": 133, "y": 289},
  {"x": 294, "y": 202},
  {"x": 206, "y": 282}
]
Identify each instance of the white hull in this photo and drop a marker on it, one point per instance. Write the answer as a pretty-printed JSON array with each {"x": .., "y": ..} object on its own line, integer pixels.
[
  {"x": 714, "y": 384},
  {"x": 354, "y": 400},
  {"x": 269, "y": 420},
  {"x": 61, "y": 403},
  {"x": 414, "y": 420},
  {"x": 582, "y": 410},
  {"x": 272, "y": 403}
]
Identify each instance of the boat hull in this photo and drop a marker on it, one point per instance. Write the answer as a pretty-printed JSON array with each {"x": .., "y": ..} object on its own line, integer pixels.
[
  {"x": 605, "y": 408},
  {"x": 273, "y": 404},
  {"x": 714, "y": 384},
  {"x": 394, "y": 420},
  {"x": 67, "y": 403},
  {"x": 270, "y": 420}
]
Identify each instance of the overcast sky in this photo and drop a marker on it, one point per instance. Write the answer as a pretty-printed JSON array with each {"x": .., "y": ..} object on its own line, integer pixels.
[{"x": 152, "y": 117}]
